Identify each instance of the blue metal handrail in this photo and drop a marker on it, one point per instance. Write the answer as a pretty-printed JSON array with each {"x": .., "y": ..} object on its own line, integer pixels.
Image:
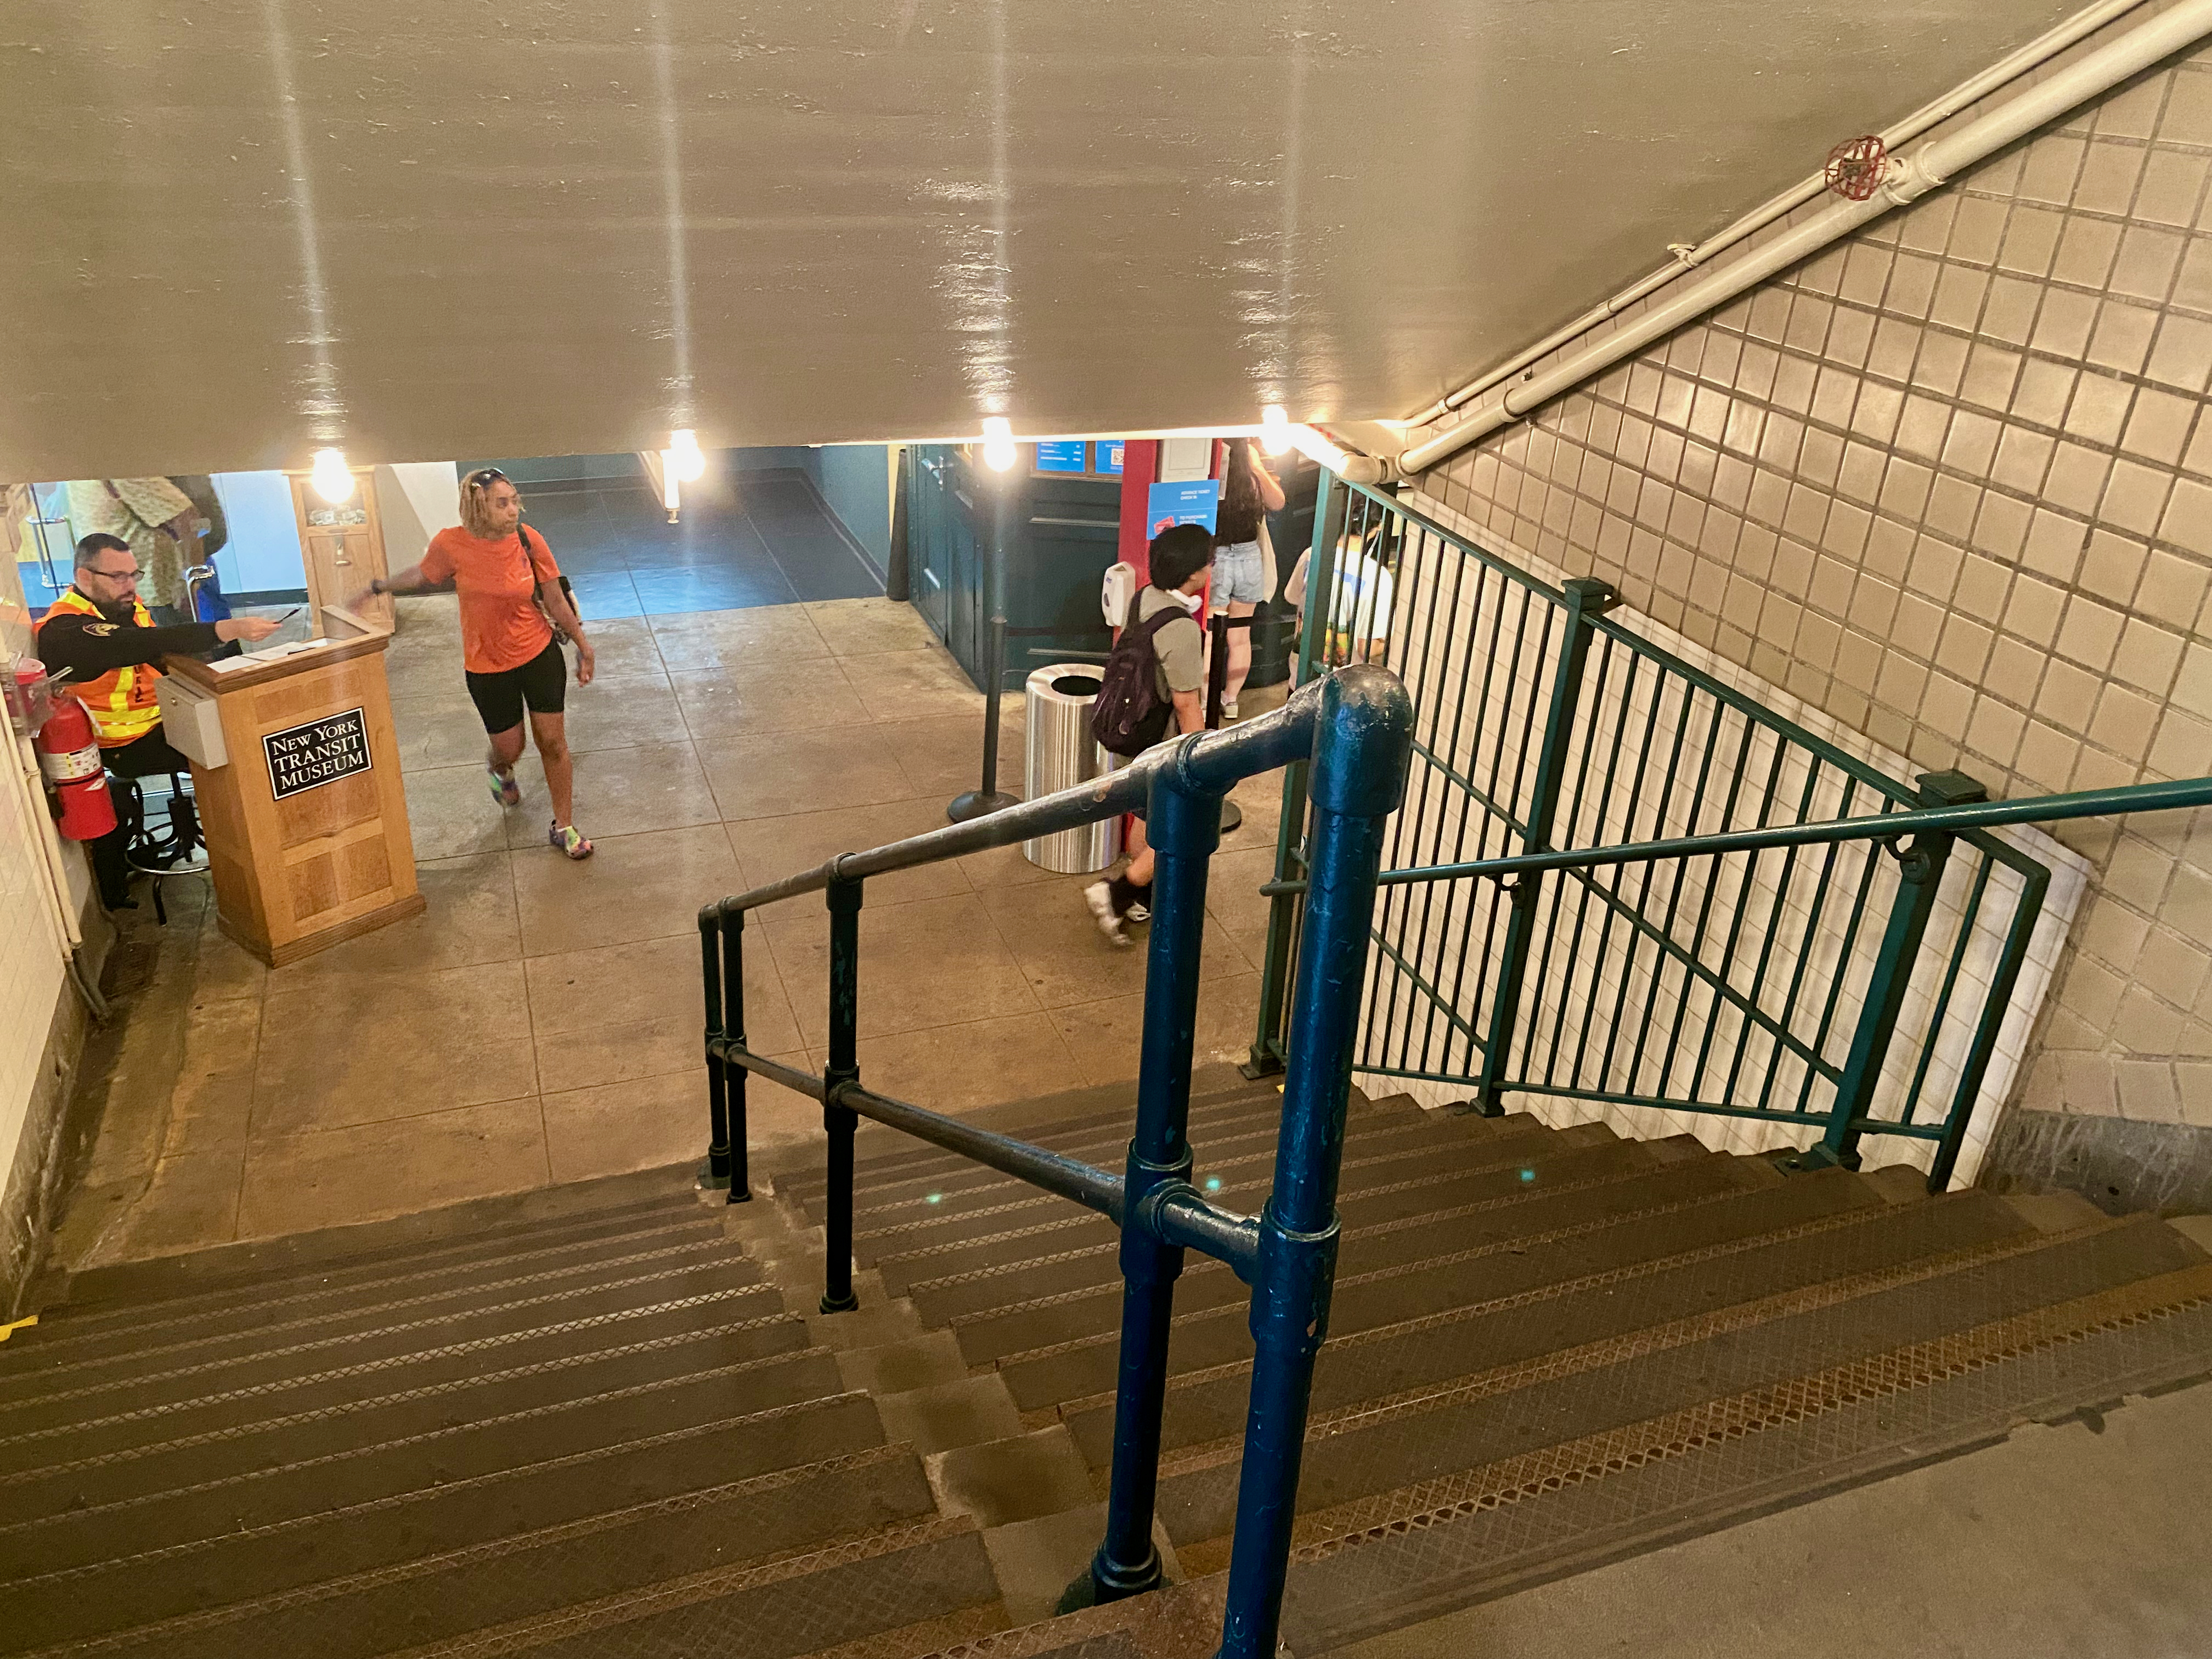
[{"x": 1352, "y": 733}]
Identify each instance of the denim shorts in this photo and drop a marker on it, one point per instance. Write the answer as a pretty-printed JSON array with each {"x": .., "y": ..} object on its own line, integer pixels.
[{"x": 1239, "y": 573}]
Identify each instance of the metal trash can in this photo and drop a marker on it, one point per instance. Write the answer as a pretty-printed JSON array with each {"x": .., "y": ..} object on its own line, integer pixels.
[{"x": 1056, "y": 704}]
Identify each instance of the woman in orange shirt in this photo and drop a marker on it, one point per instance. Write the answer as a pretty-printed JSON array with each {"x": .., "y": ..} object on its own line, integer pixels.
[{"x": 512, "y": 654}]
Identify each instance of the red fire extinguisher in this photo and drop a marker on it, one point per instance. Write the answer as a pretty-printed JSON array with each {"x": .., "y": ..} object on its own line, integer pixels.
[{"x": 68, "y": 754}]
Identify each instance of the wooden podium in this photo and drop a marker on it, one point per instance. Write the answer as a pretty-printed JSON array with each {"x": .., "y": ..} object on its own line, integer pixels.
[{"x": 296, "y": 772}]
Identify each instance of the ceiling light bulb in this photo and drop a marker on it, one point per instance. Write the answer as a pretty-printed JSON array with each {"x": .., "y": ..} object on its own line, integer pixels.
[
  {"x": 997, "y": 443},
  {"x": 331, "y": 477},
  {"x": 684, "y": 445},
  {"x": 671, "y": 469},
  {"x": 1274, "y": 429}
]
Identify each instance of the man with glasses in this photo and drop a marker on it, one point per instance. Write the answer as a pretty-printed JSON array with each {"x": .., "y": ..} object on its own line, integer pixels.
[{"x": 100, "y": 634}]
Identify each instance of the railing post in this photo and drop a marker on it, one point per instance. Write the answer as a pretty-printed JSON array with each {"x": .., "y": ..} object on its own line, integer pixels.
[
  {"x": 714, "y": 1173},
  {"x": 988, "y": 798},
  {"x": 732, "y": 931},
  {"x": 1920, "y": 872},
  {"x": 1268, "y": 1043},
  {"x": 1586, "y": 599},
  {"x": 838, "y": 1122},
  {"x": 1184, "y": 826},
  {"x": 1363, "y": 746}
]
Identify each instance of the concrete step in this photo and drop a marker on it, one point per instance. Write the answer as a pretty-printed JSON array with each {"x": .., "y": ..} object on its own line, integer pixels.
[
  {"x": 482, "y": 1585},
  {"x": 1095, "y": 1134},
  {"x": 1704, "y": 1201},
  {"x": 1362, "y": 1366},
  {"x": 273, "y": 1502},
  {"x": 1378, "y": 1194},
  {"x": 680, "y": 1263},
  {"x": 1577, "y": 1503},
  {"x": 1235, "y": 1161},
  {"x": 180, "y": 1414},
  {"x": 144, "y": 1576},
  {"x": 1070, "y": 1107},
  {"x": 1211, "y": 1135},
  {"x": 941, "y": 1301},
  {"x": 729, "y": 1285},
  {"x": 589, "y": 1397},
  {"x": 614, "y": 1204},
  {"x": 458, "y": 1260},
  {"x": 917, "y": 1589},
  {"x": 1403, "y": 1452}
]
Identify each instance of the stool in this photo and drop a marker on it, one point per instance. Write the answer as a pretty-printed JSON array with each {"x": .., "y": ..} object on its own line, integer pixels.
[{"x": 179, "y": 849}]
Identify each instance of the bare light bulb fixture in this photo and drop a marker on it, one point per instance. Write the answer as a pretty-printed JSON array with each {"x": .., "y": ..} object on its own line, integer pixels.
[
  {"x": 997, "y": 443},
  {"x": 690, "y": 465},
  {"x": 330, "y": 476},
  {"x": 1275, "y": 436}
]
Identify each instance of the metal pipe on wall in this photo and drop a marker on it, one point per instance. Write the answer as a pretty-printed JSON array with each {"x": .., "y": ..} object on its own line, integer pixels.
[{"x": 2178, "y": 27}]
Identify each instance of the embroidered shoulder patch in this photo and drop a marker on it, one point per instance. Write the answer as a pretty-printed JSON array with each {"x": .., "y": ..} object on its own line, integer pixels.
[{"x": 101, "y": 627}]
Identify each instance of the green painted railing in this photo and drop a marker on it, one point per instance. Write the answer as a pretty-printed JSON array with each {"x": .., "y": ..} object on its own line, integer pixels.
[{"x": 1829, "y": 973}]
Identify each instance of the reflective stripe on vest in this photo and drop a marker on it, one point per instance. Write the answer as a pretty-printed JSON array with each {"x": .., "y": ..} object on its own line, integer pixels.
[{"x": 122, "y": 700}]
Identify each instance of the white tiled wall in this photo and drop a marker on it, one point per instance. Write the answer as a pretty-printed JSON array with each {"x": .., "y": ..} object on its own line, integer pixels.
[
  {"x": 31, "y": 947},
  {"x": 1951, "y": 484}
]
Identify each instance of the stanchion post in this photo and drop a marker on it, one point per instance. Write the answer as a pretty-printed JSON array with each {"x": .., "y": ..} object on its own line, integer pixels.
[
  {"x": 838, "y": 1122},
  {"x": 980, "y": 802}
]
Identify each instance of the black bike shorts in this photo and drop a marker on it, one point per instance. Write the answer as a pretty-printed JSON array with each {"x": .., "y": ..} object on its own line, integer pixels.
[{"x": 541, "y": 684}]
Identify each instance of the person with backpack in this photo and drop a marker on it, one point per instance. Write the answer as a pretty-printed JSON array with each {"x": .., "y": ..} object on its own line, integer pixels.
[
  {"x": 515, "y": 612},
  {"x": 1150, "y": 690}
]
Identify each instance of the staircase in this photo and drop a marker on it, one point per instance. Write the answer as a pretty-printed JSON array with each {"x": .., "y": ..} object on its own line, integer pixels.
[{"x": 605, "y": 1420}]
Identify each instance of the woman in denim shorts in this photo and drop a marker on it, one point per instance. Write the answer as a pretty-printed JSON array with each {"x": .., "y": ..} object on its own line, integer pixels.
[{"x": 1249, "y": 494}]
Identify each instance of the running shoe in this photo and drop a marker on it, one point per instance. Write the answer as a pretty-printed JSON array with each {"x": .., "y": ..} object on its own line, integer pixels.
[
  {"x": 1099, "y": 896},
  {"x": 504, "y": 789},
  {"x": 569, "y": 840}
]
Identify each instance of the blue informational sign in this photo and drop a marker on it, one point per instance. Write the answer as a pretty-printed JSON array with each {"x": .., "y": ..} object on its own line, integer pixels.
[
  {"x": 1170, "y": 504},
  {"x": 1109, "y": 453},
  {"x": 1063, "y": 455}
]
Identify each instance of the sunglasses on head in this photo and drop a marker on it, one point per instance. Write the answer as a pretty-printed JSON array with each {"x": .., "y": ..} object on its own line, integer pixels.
[{"x": 485, "y": 477}]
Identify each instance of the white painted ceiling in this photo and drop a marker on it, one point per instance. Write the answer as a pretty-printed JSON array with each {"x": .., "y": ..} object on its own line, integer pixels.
[{"x": 236, "y": 230}]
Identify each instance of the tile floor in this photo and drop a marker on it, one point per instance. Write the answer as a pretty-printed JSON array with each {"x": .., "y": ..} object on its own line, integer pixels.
[
  {"x": 745, "y": 538},
  {"x": 540, "y": 1021}
]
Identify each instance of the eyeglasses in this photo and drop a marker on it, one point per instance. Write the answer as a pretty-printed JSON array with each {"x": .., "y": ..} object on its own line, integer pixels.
[
  {"x": 115, "y": 575},
  {"x": 485, "y": 477}
]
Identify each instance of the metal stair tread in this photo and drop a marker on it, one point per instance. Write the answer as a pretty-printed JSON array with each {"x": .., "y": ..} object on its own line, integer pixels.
[
  {"x": 1206, "y": 1404},
  {"x": 1620, "y": 1496},
  {"x": 1366, "y": 1194},
  {"x": 456, "y": 1590},
  {"x": 615, "y": 1202},
  {"x": 154, "y": 1580},
  {"x": 803, "y": 1429},
  {"x": 1394, "y": 1145},
  {"x": 695, "y": 1367},
  {"x": 451, "y": 1362},
  {"x": 385, "y": 1300},
  {"x": 1208, "y": 1114},
  {"x": 1696, "y": 1198},
  {"x": 1364, "y": 1456},
  {"x": 71, "y": 1320},
  {"x": 942, "y": 1301},
  {"x": 732, "y": 1287},
  {"x": 930, "y": 1582}
]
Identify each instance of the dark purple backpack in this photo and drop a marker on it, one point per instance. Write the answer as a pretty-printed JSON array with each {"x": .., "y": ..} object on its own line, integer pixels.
[{"x": 1130, "y": 715}]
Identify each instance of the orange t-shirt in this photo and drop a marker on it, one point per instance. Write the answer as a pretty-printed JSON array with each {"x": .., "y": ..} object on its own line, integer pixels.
[{"x": 501, "y": 627}]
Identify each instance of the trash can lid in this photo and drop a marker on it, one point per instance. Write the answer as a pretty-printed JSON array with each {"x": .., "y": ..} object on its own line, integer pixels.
[{"x": 1076, "y": 682}]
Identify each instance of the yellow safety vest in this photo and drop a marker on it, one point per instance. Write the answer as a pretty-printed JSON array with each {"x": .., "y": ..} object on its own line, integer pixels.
[{"x": 122, "y": 700}]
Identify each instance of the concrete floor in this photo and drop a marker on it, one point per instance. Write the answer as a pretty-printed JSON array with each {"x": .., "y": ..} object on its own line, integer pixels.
[
  {"x": 540, "y": 1023},
  {"x": 2085, "y": 1541}
]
